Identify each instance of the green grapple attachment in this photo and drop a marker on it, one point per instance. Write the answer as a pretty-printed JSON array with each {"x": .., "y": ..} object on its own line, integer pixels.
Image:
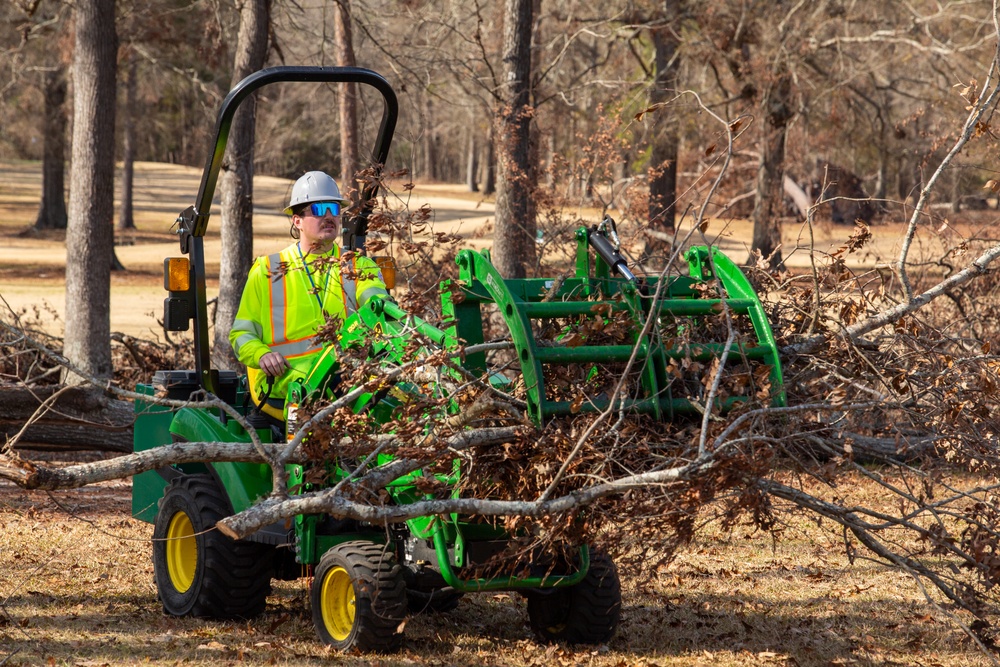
[{"x": 659, "y": 310}]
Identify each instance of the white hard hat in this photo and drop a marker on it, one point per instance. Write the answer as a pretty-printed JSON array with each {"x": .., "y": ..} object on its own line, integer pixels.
[{"x": 314, "y": 186}]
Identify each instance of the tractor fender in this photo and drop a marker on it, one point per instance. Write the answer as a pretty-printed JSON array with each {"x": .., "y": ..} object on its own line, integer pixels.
[{"x": 244, "y": 483}]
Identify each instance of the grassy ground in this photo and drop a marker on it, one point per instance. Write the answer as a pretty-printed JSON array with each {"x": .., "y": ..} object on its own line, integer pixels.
[{"x": 76, "y": 588}]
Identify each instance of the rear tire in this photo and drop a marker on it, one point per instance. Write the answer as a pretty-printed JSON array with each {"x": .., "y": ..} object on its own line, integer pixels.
[
  {"x": 587, "y": 613},
  {"x": 359, "y": 598},
  {"x": 198, "y": 570}
]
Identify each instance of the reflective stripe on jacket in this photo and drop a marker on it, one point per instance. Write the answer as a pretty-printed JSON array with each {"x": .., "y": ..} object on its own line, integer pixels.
[{"x": 280, "y": 310}]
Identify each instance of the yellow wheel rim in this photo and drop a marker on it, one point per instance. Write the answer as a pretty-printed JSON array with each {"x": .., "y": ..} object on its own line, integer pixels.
[
  {"x": 337, "y": 603},
  {"x": 182, "y": 552}
]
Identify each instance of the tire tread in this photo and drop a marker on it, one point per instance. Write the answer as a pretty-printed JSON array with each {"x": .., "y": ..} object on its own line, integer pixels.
[
  {"x": 380, "y": 594},
  {"x": 236, "y": 576},
  {"x": 591, "y": 609}
]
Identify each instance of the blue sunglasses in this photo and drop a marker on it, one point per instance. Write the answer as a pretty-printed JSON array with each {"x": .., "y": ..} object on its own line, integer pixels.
[{"x": 320, "y": 209}]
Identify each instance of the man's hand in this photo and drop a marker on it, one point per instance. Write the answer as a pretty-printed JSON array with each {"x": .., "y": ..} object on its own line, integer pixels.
[{"x": 273, "y": 364}]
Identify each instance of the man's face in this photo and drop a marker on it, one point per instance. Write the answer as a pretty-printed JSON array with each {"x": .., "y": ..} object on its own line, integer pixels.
[{"x": 319, "y": 223}]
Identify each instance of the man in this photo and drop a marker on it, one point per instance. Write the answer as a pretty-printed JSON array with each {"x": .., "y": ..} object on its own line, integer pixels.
[{"x": 289, "y": 295}]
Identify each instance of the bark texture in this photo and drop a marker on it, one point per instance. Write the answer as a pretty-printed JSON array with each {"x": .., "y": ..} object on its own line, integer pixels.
[
  {"x": 90, "y": 233},
  {"x": 665, "y": 138},
  {"x": 75, "y": 419},
  {"x": 514, "y": 237},
  {"x": 349, "y": 161},
  {"x": 767, "y": 208},
  {"x": 236, "y": 182}
]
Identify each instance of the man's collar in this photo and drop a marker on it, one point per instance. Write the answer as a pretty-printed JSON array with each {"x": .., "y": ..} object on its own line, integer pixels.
[{"x": 333, "y": 251}]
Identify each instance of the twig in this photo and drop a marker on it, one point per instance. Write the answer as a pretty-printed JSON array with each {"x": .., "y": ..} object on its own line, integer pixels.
[{"x": 979, "y": 108}]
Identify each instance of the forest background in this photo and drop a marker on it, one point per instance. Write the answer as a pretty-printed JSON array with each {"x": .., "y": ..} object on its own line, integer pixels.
[
  {"x": 556, "y": 104},
  {"x": 673, "y": 116}
]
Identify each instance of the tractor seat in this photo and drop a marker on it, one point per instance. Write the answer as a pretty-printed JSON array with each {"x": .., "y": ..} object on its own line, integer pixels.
[
  {"x": 181, "y": 384},
  {"x": 262, "y": 420}
]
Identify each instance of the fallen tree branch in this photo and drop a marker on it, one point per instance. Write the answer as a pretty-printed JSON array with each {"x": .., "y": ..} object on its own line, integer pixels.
[
  {"x": 865, "y": 533},
  {"x": 333, "y": 502},
  {"x": 325, "y": 502},
  {"x": 29, "y": 475},
  {"x": 976, "y": 268}
]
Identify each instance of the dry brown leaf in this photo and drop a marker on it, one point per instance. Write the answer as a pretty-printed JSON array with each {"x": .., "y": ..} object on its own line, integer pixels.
[{"x": 649, "y": 109}]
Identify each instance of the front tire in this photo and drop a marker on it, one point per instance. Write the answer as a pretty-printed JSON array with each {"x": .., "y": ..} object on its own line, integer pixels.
[
  {"x": 359, "y": 598},
  {"x": 587, "y": 613},
  {"x": 198, "y": 570}
]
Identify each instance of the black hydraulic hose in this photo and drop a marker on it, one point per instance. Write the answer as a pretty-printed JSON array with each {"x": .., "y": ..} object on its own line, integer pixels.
[
  {"x": 600, "y": 243},
  {"x": 259, "y": 407}
]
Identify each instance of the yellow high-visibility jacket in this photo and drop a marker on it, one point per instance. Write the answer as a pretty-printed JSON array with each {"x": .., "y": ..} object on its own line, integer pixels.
[{"x": 280, "y": 312}]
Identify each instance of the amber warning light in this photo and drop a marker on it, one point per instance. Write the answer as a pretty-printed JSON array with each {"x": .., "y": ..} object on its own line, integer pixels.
[
  {"x": 176, "y": 274},
  {"x": 177, "y": 307},
  {"x": 387, "y": 266}
]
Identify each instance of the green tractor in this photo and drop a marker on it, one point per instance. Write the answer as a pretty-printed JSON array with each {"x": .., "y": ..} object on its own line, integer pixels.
[{"x": 367, "y": 578}]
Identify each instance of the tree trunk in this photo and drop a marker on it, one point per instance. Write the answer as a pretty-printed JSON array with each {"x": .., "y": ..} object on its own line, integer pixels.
[
  {"x": 550, "y": 166},
  {"x": 803, "y": 202},
  {"x": 349, "y": 162},
  {"x": 90, "y": 233},
  {"x": 514, "y": 238},
  {"x": 472, "y": 161},
  {"x": 430, "y": 142},
  {"x": 116, "y": 264},
  {"x": 883, "y": 175},
  {"x": 236, "y": 183},
  {"x": 917, "y": 161},
  {"x": 52, "y": 214},
  {"x": 77, "y": 419},
  {"x": 883, "y": 153},
  {"x": 903, "y": 181},
  {"x": 767, "y": 208},
  {"x": 490, "y": 163},
  {"x": 665, "y": 138},
  {"x": 125, "y": 218}
]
